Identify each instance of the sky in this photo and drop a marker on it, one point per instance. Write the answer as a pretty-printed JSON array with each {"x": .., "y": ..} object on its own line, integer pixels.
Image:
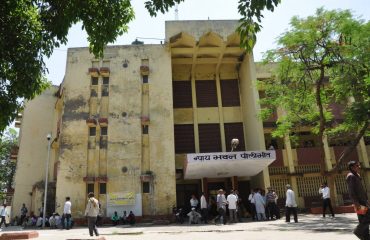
[{"x": 150, "y": 30}]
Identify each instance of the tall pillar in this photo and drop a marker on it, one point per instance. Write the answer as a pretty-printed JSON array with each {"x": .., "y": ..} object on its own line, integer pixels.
[
  {"x": 234, "y": 182},
  {"x": 205, "y": 186},
  {"x": 289, "y": 154},
  {"x": 253, "y": 127},
  {"x": 328, "y": 165}
]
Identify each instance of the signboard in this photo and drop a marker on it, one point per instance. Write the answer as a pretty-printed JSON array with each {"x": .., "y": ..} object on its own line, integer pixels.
[
  {"x": 229, "y": 156},
  {"x": 121, "y": 199}
]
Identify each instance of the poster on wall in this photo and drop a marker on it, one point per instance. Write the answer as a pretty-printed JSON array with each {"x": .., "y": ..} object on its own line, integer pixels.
[{"x": 121, "y": 199}]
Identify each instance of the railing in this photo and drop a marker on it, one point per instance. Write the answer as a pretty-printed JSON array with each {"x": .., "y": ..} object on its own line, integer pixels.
[
  {"x": 311, "y": 168},
  {"x": 278, "y": 170}
]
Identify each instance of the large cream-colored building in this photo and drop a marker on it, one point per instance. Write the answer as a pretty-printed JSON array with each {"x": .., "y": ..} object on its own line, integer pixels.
[{"x": 146, "y": 126}]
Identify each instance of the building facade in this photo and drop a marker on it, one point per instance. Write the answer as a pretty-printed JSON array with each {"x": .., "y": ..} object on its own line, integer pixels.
[{"x": 129, "y": 126}]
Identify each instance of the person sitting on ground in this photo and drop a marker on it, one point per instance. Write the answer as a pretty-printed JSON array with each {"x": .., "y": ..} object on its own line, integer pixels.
[
  {"x": 124, "y": 217},
  {"x": 39, "y": 221},
  {"x": 131, "y": 218},
  {"x": 115, "y": 219},
  {"x": 52, "y": 221},
  {"x": 194, "y": 216}
]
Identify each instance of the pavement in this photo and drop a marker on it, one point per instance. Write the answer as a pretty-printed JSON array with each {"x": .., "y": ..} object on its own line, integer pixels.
[{"x": 309, "y": 227}]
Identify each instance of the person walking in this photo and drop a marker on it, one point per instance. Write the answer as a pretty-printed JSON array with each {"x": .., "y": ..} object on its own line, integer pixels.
[
  {"x": 290, "y": 204},
  {"x": 232, "y": 202},
  {"x": 325, "y": 192},
  {"x": 260, "y": 205},
  {"x": 24, "y": 212},
  {"x": 359, "y": 198},
  {"x": 91, "y": 212},
  {"x": 67, "y": 213},
  {"x": 204, "y": 208},
  {"x": 3, "y": 214}
]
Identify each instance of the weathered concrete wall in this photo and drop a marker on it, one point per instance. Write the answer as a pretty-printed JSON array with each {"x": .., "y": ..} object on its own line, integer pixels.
[
  {"x": 37, "y": 122},
  {"x": 122, "y": 160}
]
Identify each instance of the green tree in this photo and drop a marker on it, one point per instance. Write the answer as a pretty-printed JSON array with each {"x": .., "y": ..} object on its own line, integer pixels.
[
  {"x": 31, "y": 29},
  {"x": 322, "y": 60},
  {"x": 7, "y": 167}
]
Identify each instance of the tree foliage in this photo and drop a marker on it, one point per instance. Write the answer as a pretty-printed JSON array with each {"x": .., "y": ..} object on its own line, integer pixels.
[
  {"x": 323, "y": 61},
  {"x": 7, "y": 167},
  {"x": 31, "y": 29}
]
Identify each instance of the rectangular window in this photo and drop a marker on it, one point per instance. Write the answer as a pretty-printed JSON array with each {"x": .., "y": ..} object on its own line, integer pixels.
[
  {"x": 184, "y": 138},
  {"x": 182, "y": 97},
  {"x": 209, "y": 138},
  {"x": 102, "y": 188},
  {"x": 92, "y": 131},
  {"x": 146, "y": 188},
  {"x": 94, "y": 81},
  {"x": 145, "y": 79},
  {"x": 230, "y": 93},
  {"x": 234, "y": 130},
  {"x": 145, "y": 129},
  {"x": 105, "y": 91},
  {"x": 93, "y": 93},
  {"x": 104, "y": 131},
  {"x": 90, "y": 188},
  {"x": 206, "y": 93},
  {"x": 105, "y": 80}
]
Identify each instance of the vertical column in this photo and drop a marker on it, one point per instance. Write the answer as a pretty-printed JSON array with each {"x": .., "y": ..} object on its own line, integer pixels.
[
  {"x": 234, "y": 182},
  {"x": 293, "y": 182},
  {"x": 205, "y": 186},
  {"x": 195, "y": 113},
  {"x": 289, "y": 153},
  {"x": 328, "y": 165},
  {"x": 220, "y": 113},
  {"x": 253, "y": 127}
]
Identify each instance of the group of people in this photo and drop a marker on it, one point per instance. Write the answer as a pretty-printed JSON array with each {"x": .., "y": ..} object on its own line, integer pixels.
[
  {"x": 125, "y": 219},
  {"x": 264, "y": 206},
  {"x": 200, "y": 213}
]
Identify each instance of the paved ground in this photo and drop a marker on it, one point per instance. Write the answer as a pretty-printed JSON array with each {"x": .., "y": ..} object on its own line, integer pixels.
[{"x": 309, "y": 227}]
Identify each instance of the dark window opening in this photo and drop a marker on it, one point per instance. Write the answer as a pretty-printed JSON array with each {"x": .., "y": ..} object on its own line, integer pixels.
[
  {"x": 182, "y": 97},
  {"x": 209, "y": 138},
  {"x": 206, "y": 93},
  {"x": 94, "y": 81},
  {"x": 102, "y": 188},
  {"x": 90, "y": 188},
  {"x": 184, "y": 138},
  {"x": 105, "y": 80},
  {"x": 146, "y": 187},
  {"x": 92, "y": 131},
  {"x": 230, "y": 93},
  {"x": 234, "y": 130},
  {"x": 145, "y": 129},
  {"x": 145, "y": 79},
  {"x": 105, "y": 91},
  {"x": 104, "y": 131},
  {"x": 93, "y": 93}
]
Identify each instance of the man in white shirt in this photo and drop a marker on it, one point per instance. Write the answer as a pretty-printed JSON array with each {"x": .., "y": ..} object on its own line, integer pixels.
[
  {"x": 221, "y": 206},
  {"x": 325, "y": 192},
  {"x": 290, "y": 204},
  {"x": 194, "y": 202},
  {"x": 204, "y": 208},
  {"x": 67, "y": 213},
  {"x": 232, "y": 202},
  {"x": 3, "y": 214}
]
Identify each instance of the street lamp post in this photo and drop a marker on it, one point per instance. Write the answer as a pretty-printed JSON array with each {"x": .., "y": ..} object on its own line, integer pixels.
[
  {"x": 46, "y": 180},
  {"x": 234, "y": 143}
]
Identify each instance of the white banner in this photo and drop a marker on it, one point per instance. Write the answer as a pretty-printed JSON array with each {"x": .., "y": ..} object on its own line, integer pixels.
[
  {"x": 121, "y": 198},
  {"x": 230, "y": 156}
]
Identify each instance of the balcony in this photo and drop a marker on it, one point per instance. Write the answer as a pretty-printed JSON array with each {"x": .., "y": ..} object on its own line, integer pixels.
[
  {"x": 278, "y": 170},
  {"x": 89, "y": 179},
  {"x": 103, "y": 122},
  {"x": 105, "y": 71},
  {"x": 144, "y": 70},
  {"x": 145, "y": 120},
  {"x": 91, "y": 122},
  {"x": 307, "y": 168},
  {"x": 94, "y": 72},
  {"x": 102, "y": 179}
]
